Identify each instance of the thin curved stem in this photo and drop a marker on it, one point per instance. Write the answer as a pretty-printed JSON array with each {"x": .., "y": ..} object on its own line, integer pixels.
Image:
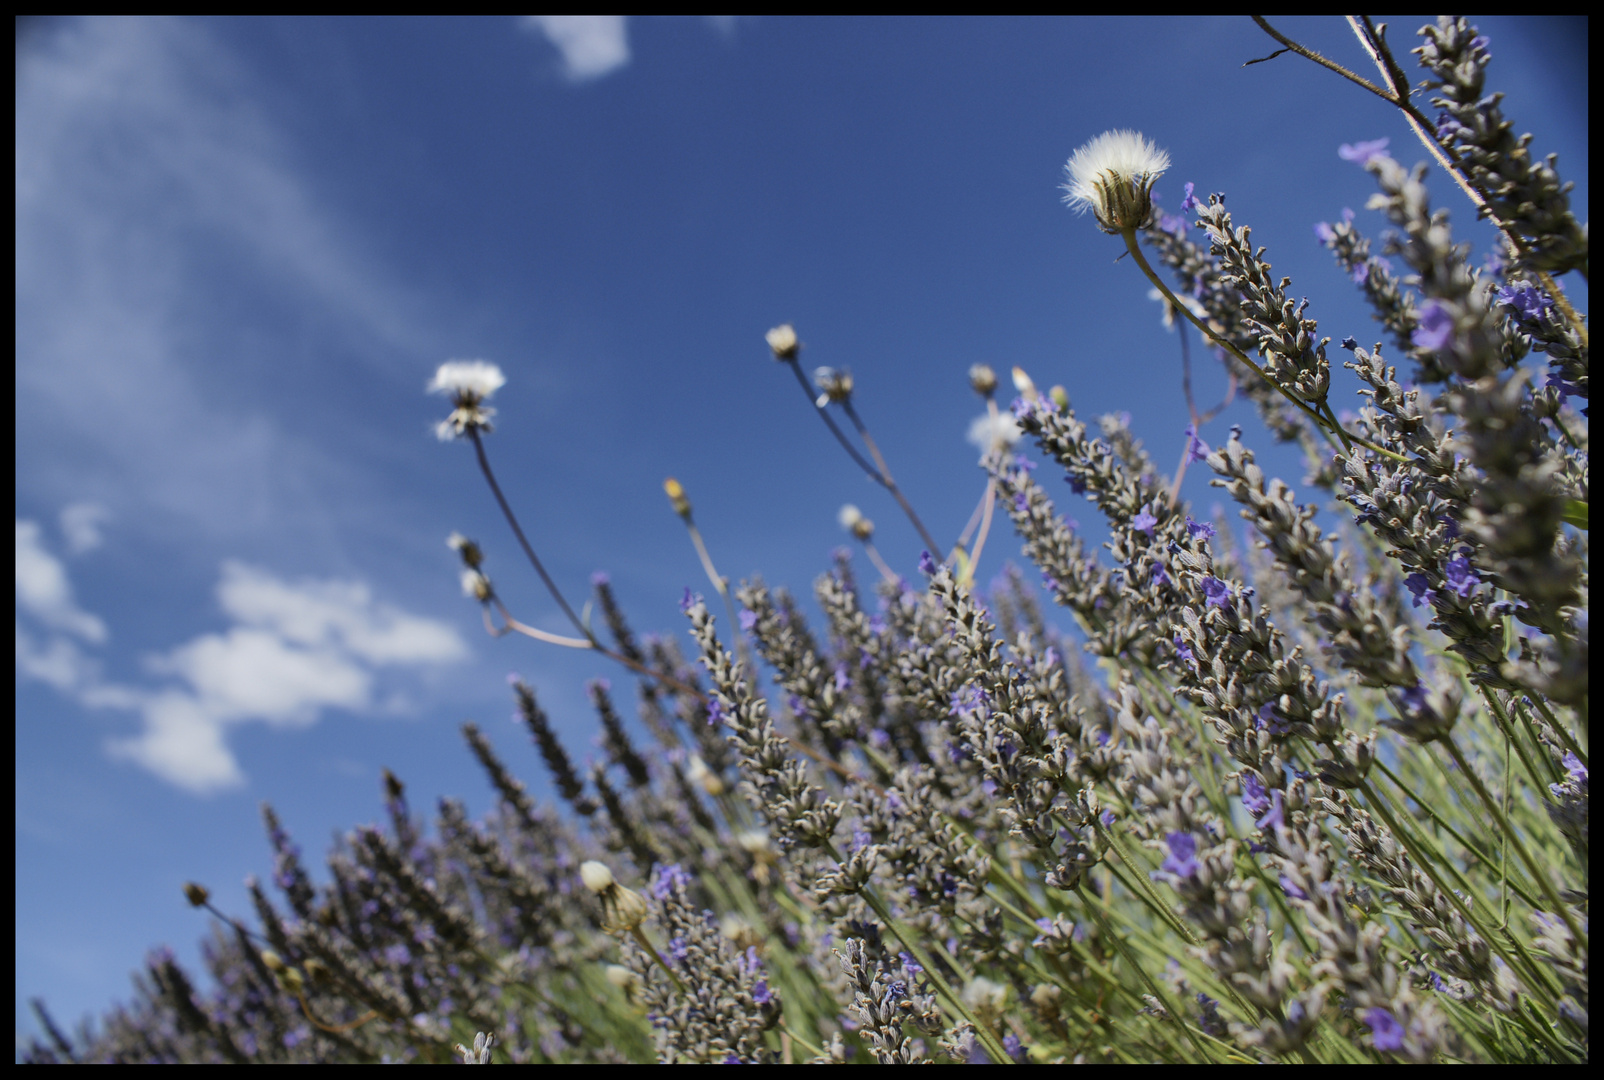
[
  {"x": 1515, "y": 841},
  {"x": 829, "y": 422},
  {"x": 523, "y": 541},
  {"x": 885, "y": 478}
]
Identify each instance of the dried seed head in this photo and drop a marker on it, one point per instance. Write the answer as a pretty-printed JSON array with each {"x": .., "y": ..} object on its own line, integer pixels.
[
  {"x": 471, "y": 553},
  {"x": 835, "y": 384},
  {"x": 197, "y": 895},
  {"x": 468, "y": 383},
  {"x": 476, "y": 586},
  {"x": 983, "y": 379}
]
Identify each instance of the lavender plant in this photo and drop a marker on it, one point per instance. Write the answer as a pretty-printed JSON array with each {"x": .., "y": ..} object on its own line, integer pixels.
[{"x": 1319, "y": 803}]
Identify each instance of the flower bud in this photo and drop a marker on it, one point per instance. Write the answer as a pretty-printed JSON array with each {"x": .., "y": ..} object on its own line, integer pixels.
[
  {"x": 983, "y": 379},
  {"x": 596, "y": 876},
  {"x": 1059, "y": 396},
  {"x": 196, "y": 894},
  {"x": 704, "y": 777},
  {"x": 1023, "y": 383},
  {"x": 853, "y": 521},
  {"x": 676, "y": 495},
  {"x": 782, "y": 340},
  {"x": 621, "y": 977},
  {"x": 622, "y": 909}
]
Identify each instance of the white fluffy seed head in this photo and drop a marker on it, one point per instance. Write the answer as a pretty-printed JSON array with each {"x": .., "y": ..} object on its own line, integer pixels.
[
  {"x": 473, "y": 380},
  {"x": 988, "y": 432},
  {"x": 1113, "y": 177},
  {"x": 782, "y": 340}
]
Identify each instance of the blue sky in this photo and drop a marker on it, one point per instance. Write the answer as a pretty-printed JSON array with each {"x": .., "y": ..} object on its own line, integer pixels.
[{"x": 243, "y": 246}]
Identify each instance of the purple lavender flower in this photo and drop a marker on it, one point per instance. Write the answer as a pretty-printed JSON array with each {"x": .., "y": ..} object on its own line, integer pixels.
[
  {"x": 1566, "y": 388},
  {"x": 1190, "y": 201},
  {"x": 715, "y": 711},
  {"x": 1144, "y": 521},
  {"x": 1014, "y": 1047},
  {"x": 678, "y": 949},
  {"x": 1159, "y": 576},
  {"x": 1275, "y": 817},
  {"x": 1021, "y": 504},
  {"x": 1106, "y": 817},
  {"x": 1458, "y": 575},
  {"x": 1385, "y": 1031},
  {"x": 1076, "y": 484},
  {"x": 1174, "y": 224},
  {"x": 1574, "y": 766},
  {"x": 1361, "y": 153},
  {"x": 1217, "y": 591},
  {"x": 1199, "y": 528},
  {"x": 1324, "y": 232},
  {"x": 687, "y": 602},
  {"x": 1291, "y": 888},
  {"x": 398, "y": 955},
  {"x": 1196, "y": 448},
  {"x": 761, "y": 992},
  {"x": 1254, "y": 799},
  {"x": 1023, "y": 463},
  {"x": 1413, "y": 697},
  {"x": 1420, "y": 586},
  {"x": 748, "y": 620},
  {"x": 969, "y": 702},
  {"x": 1436, "y": 327},
  {"x": 927, "y": 565},
  {"x": 1361, "y": 273},
  {"x": 1182, "y": 859},
  {"x": 1183, "y": 650},
  {"x": 668, "y": 879},
  {"x": 600, "y": 578}
]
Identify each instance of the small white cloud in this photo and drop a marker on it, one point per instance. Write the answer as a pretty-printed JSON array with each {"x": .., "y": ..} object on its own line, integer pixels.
[
  {"x": 295, "y": 649},
  {"x": 724, "y": 25},
  {"x": 183, "y": 744},
  {"x": 60, "y": 663},
  {"x": 249, "y": 674},
  {"x": 80, "y": 524},
  {"x": 988, "y": 433},
  {"x": 44, "y": 591},
  {"x": 340, "y": 613},
  {"x": 592, "y": 45}
]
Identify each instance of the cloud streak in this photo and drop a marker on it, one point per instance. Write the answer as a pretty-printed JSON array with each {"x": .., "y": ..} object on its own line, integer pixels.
[{"x": 591, "y": 45}]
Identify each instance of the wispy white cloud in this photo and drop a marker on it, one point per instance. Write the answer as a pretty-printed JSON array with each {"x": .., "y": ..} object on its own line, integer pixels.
[
  {"x": 294, "y": 650},
  {"x": 80, "y": 524},
  {"x": 149, "y": 181},
  {"x": 591, "y": 45},
  {"x": 44, "y": 591}
]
